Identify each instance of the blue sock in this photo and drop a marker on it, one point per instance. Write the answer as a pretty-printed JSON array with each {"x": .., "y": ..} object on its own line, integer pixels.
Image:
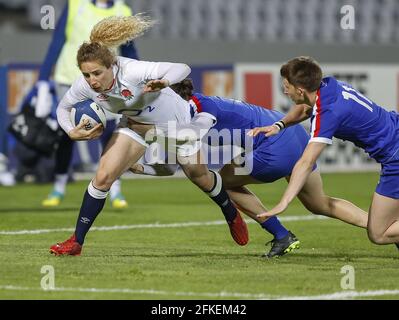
[
  {"x": 89, "y": 210},
  {"x": 274, "y": 226},
  {"x": 219, "y": 195}
]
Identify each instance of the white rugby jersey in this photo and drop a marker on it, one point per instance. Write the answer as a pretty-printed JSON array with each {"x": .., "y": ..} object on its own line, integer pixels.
[{"x": 126, "y": 95}]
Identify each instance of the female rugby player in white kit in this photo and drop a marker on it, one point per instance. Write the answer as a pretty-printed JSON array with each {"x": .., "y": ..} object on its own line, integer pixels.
[{"x": 138, "y": 90}]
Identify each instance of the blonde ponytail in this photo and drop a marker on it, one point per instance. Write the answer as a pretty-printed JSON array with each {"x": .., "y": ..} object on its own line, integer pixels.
[
  {"x": 110, "y": 33},
  {"x": 115, "y": 31}
]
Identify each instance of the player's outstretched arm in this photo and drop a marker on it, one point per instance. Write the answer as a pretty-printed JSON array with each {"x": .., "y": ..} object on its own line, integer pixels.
[
  {"x": 297, "y": 114},
  {"x": 268, "y": 131},
  {"x": 298, "y": 177}
]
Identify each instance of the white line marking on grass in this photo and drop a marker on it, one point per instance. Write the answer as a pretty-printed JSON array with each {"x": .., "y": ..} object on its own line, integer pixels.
[
  {"x": 223, "y": 294},
  {"x": 153, "y": 225},
  {"x": 344, "y": 295},
  {"x": 145, "y": 291}
]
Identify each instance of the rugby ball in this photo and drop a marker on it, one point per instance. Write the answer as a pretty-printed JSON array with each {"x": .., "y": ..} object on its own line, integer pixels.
[{"x": 90, "y": 110}]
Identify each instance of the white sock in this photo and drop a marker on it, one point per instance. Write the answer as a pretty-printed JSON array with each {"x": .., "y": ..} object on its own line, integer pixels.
[
  {"x": 115, "y": 189},
  {"x": 217, "y": 186},
  {"x": 96, "y": 193},
  {"x": 60, "y": 183}
]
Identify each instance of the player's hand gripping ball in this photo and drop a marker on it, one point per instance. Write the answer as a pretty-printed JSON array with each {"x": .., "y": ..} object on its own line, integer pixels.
[{"x": 89, "y": 110}]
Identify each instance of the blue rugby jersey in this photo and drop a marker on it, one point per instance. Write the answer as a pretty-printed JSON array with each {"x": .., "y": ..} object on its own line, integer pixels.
[
  {"x": 230, "y": 114},
  {"x": 344, "y": 113}
]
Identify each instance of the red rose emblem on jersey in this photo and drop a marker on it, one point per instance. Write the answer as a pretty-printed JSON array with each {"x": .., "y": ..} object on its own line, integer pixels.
[{"x": 126, "y": 93}]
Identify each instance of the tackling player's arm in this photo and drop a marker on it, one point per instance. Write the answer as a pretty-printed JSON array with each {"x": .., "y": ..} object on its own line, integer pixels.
[
  {"x": 297, "y": 114},
  {"x": 163, "y": 74},
  {"x": 299, "y": 175}
]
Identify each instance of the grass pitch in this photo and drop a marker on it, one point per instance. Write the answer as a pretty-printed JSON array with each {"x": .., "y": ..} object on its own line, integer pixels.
[{"x": 168, "y": 248}]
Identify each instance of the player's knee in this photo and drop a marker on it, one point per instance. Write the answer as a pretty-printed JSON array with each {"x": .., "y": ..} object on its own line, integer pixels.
[
  {"x": 375, "y": 237},
  {"x": 316, "y": 208},
  {"x": 203, "y": 181},
  {"x": 103, "y": 180},
  {"x": 323, "y": 206}
]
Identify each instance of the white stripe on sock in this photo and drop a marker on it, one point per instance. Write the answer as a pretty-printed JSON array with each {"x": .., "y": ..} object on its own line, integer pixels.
[{"x": 96, "y": 193}]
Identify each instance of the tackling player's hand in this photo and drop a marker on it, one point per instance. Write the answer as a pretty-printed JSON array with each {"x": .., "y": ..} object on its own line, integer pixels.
[
  {"x": 155, "y": 85},
  {"x": 80, "y": 133},
  {"x": 268, "y": 131},
  {"x": 275, "y": 211},
  {"x": 140, "y": 128}
]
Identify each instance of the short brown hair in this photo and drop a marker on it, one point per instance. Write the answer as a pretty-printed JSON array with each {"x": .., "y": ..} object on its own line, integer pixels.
[
  {"x": 184, "y": 89},
  {"x": 302, "y": 72}
]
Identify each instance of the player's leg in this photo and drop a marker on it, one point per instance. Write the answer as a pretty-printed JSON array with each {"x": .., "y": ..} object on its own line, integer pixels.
[
  {"x": 268, "y": 163},
  {"x": 241, "y": 196},
  {"x": 316, "y": 201},
  {"x": 63, "y": 158},
  {"x": 119, "y": 155},
  {"x": 154, "y": 162},
  {"x": 211, "y": 183},
  {"x": 383, "y": 224},
  {"x": 284, "y": 241}
]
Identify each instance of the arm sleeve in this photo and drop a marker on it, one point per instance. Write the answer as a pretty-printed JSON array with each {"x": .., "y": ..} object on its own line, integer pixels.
[
  {"x": 324, "y": 125},
  {"x": 173, "y": 72},
  {"x": 75, "y": 94},
  {"x": 142, "y": 71},
  {"x": 55, "y": 47},
  {"x": 63, "y": 116}
]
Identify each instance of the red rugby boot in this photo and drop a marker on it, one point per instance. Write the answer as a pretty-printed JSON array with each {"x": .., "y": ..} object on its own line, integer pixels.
[{"x": 69, "y": 247}]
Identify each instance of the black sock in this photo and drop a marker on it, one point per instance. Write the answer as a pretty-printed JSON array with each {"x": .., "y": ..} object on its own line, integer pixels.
[
  {"x": 219, "y": 195},
  {"x": 89, "y": 210}
]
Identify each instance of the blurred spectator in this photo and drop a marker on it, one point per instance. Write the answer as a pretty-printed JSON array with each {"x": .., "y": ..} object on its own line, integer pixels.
[{"x": 6, "y": 177}]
